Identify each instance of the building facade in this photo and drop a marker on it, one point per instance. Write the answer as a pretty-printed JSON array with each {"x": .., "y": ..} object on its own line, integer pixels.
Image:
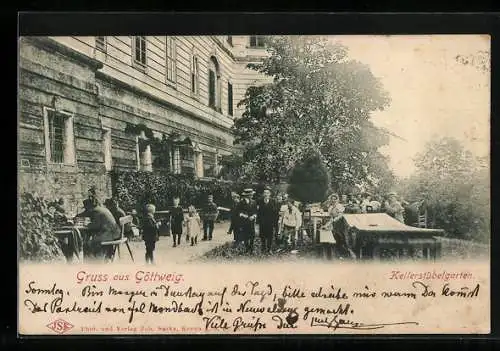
[{"x": 89, "y": 105}]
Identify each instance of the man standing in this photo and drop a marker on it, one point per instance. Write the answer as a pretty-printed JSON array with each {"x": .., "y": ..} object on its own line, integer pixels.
[
  {"x": 234, "y": 227},
  {"x": 267, "y": 215},
  {"x": 210, "y": 213},
  {"x": 247, "y": 213}
]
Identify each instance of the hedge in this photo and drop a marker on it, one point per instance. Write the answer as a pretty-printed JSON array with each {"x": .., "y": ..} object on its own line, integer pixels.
[
  {"x": 134, "y": 189},
  {"x": 35, "y": 228}
]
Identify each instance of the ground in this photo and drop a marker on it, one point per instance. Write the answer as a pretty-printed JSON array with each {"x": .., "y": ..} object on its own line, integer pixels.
[{"x": 184, "y": 253}]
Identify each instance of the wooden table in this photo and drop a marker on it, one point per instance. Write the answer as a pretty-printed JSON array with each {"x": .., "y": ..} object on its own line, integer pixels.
[
  {"x": 76, "y": 236},
  {"x": 378, "y": 236}
]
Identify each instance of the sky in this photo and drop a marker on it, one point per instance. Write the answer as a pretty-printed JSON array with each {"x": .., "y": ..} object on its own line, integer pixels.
[{"x": 431, "y": 94}]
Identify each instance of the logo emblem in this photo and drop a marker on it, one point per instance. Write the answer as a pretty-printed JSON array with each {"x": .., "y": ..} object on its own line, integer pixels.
[{"x": 60, "y": 326}]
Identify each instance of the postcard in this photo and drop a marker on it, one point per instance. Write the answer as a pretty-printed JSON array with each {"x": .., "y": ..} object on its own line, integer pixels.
[{"x": 254, "y": 185}]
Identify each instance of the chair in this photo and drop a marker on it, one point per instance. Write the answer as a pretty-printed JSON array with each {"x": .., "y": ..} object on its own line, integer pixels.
[
  {"x": 422, "y": 220},
  {"x": 123, "y": 239}
]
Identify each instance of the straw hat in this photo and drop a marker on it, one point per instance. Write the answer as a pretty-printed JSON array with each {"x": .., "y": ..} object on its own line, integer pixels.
[{"x": 247, "y": 192}]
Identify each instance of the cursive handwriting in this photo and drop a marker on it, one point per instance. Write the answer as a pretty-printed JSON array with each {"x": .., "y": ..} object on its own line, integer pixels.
[
  {"x": 54, "y": 290},
  {"x": 283, "y": 324},
  {"x": 215, "y": 322},
  {"x": 336, "y": 322},
  {"x": 254, "y": 324}
]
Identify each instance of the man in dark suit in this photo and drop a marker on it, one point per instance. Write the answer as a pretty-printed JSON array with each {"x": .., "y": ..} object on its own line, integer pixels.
[
  {"x": 267, "y": 217},
  {"x": 210, "y": 213},
  {"x": 234, "y": 226},
  {"x": 247, "y": 213}
]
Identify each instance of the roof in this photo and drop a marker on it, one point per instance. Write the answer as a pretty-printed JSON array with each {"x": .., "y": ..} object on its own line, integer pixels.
[{"x": 382, "y": 222}]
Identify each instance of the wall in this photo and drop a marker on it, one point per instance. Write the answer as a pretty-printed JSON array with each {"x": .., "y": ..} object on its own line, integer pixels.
[{"x": 47, "y": 71}]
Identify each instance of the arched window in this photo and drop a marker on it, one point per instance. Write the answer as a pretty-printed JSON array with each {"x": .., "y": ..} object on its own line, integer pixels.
[{"x": 214, "y": 87}]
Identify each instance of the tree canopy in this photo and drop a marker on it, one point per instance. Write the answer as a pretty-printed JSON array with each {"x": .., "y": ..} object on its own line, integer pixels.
[
  {"x": 309, "y": 181},
  {"x": 455, "y": 185},
  {"x": 319, "y": 101}
]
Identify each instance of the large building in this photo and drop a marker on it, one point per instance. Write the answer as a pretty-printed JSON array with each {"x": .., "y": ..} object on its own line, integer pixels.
[{"x": 84, "y": 103}]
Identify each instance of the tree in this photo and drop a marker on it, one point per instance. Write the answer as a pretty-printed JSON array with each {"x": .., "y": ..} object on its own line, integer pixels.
[
  {"x": 455, "y": 185},
  {"x": 319, "y": 101},
  {"x": 309, "y": 181}
]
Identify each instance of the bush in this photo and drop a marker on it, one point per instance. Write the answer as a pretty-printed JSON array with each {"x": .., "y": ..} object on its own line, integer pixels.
[
  {"x": 309, "y": 181},
  {"x": 36, "y": 239}
]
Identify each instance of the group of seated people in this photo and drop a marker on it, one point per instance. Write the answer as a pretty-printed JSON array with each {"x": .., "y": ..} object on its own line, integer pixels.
[
  {"x": 103, "y": 225},
  {"x": 391, "y": 204}
]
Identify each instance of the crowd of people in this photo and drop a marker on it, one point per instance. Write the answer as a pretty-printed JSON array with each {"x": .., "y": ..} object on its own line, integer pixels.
[{"x": 278, "y": 220}]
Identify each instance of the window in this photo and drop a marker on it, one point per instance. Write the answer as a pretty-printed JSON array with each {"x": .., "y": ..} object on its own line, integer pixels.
[
  {"x": 211, "y": 88},
  {"x": 229, "y": 99},
  {"x": 195, "y": 76},
  {"x": 256, "y": 41},
  {"x": 59, "y": 140},
  {"x": 100, "y": 43},
  {"x": 209, "y": 165},
  {"x": 230, "y": 40},
  {"x": 177, "y": 161},
  {"x": 187, "y": 160},
  {"x": 214, "y": 85},
  {"x": 140, "y": 51},
  {"x": 171, "y": 59},
  {"x": 106, "y": 139}
]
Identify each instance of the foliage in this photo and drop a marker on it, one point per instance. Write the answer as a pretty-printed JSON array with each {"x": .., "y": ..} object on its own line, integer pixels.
[
  {"x": 309, "y": 182},
  {"x": 456, "y": 188},
  {"x": 318, "y": 101},
  {"x": 134, "y": 190},
  {"x": 36, "y": 239}
]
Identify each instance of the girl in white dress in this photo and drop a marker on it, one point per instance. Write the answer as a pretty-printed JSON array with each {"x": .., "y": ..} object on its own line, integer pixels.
[{"x": 193, "y": 223}]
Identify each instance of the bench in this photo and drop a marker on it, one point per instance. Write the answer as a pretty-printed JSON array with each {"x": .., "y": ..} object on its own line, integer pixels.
[{"x": 123, "y": 239}]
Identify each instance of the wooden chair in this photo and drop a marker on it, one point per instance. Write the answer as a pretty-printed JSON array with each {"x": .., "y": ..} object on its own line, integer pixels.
[
  {"x": 123, "y": 239},
  {"x": 422, "y": 220}
]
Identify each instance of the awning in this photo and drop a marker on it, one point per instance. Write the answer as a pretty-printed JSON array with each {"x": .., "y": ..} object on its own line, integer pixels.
[{"x": 382, "y": 222}]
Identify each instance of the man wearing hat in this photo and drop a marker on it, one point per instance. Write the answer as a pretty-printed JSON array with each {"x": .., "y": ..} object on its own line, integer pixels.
[
  {"x": 267, "y": 217},
  {"x": 247, "y": 213}
]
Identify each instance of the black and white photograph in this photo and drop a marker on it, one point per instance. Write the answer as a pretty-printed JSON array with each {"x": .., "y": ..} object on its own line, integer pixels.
[{"x": 358, "y": 151}]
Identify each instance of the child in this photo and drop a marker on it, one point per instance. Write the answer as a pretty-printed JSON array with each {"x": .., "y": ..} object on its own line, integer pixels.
[
  {"x": 150, "y": 233},
  {"x": 193, "y": 225},
  {"x": 176, "y": 221}
]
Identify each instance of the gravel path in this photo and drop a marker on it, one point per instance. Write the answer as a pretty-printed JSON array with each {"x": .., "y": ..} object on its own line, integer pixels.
[{"x": 184, "y": 253}]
